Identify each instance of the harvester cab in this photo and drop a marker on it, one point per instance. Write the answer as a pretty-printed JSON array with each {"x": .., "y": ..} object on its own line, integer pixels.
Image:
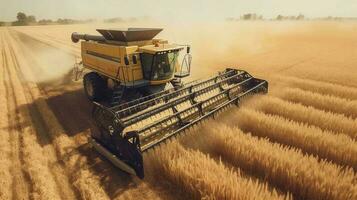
[{"x": 138, "y": 64}]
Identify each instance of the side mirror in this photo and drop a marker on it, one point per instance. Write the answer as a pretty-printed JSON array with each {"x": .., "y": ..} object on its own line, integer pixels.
[
  {"x": 188, "y": 49},
  {"x": 126, "y": 60}
]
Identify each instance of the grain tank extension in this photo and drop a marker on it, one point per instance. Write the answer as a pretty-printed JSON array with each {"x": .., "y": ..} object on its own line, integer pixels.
[{"x": 140, "y": 100}]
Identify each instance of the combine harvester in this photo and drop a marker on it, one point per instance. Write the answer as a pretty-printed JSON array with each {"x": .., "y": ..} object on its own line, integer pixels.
[{"x": 140, "y": 111}]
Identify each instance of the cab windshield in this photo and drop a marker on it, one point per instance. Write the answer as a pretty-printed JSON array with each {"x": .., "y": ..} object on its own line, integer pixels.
[{"x": 159, "y": 66}]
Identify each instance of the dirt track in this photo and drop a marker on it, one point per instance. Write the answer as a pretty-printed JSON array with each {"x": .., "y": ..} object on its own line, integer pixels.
[{"x": 45, "y": 121}]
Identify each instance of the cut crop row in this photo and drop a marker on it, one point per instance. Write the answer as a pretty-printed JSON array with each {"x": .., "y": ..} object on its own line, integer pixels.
[
  {"x": 43, "y": 184},
  {"x": 5, "y": 145},
  {"x": 87, "y": 184}
]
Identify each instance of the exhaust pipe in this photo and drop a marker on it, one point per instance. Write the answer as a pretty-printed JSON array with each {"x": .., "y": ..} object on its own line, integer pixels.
[{"x": 76, "y": 37}]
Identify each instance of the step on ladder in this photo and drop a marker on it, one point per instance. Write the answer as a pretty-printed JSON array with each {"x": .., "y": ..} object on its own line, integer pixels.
[
  {"x": 117, "y": 95},
  {"x": 177, "y": 83}
]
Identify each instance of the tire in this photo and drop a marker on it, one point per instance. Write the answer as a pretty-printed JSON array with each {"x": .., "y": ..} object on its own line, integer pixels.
[{"x": 94, "y": 86}]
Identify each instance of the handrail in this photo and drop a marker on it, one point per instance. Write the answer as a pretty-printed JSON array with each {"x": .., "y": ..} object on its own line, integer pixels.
[
  {"x": 188, "y": 63},
  {"x": 132, "y": 75}
]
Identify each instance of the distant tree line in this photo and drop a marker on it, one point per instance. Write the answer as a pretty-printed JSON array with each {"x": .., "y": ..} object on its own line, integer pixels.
[
  {"x": 248, "y": 16},
  {"x": 251, "y": 16},
  {"x": 114, "y": 20},
  {"x": 63, "y": 21},
  {"x": 24, "y": 20},
  {"x": 331, "y": 18},
  {"x": 130, "y": 19},
  {"x": 291, "y": 17},
  {"x": 254, "y": 16}
]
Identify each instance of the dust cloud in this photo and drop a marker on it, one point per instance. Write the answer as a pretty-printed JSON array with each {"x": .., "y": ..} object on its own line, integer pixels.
[
  {"x": 54, "y": 64},
  {"x": 49, "y": 63},
  {"x": 264, "y": 48}
]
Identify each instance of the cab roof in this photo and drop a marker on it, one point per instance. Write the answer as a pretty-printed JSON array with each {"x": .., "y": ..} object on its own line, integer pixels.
[{"x": 153, "y": 49}]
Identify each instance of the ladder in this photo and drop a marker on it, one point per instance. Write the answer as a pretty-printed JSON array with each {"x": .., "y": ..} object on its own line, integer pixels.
[{"x": 117, "y": 95}]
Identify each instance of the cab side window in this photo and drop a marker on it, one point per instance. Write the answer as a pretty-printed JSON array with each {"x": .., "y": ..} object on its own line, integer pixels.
[{"x": 146, "y": 62}]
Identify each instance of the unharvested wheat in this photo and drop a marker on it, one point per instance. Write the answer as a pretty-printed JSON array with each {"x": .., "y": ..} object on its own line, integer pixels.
[
  {"x": 307, "y": 114},
  {"x": 285, "y": 167},
  {"x": 203, "y": 177},
  {"x": 338, "y": 148},
  {"x": 322, "y": 87},
  {"x": 323, "y": 102}
]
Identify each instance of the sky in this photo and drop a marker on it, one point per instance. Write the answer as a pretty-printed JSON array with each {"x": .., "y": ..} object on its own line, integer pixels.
[{"x": 195, "y": 10}]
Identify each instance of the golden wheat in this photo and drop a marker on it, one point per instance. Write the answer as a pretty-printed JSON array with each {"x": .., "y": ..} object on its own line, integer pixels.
[
  {"x": 63, "y": 185},
  {"x": 323, "y": 102},
  {"x": 83, "y": 179},
  {"x": 322, "y": 87},
  {"x": 205, "y": 177},
  {"x": 5, "y": 146},
  {"x": 19, "y": 187},
  {"x": 202, "y": 177},
  {"x": 297, "y": 112},
  {"x": 286, "y": 167},
  {"x": 36, "y": 165},
  {"x": 338, "y": 148}
]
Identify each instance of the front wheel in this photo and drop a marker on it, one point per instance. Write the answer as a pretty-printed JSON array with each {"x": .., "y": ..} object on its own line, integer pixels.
[{"x": 94, "y": 86}]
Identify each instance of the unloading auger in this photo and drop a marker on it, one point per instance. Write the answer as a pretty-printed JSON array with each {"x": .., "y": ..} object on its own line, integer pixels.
[{"x": 128, "y": 130}]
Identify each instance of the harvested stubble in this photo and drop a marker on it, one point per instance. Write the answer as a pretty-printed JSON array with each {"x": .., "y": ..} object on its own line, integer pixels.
[
  {"x": 285, "y": 167},
  {"x": 322, "y": 87},
  {"x": 5, "y": 146},
  {"x": 86, "y": 183},
  {"x": 325, "y": 120},
  {"x": 323, "y": 102},
  {"x": 202, "y": 177},
  {"x": 338, "y": 148},
  {"x": 43, "y": 184}
]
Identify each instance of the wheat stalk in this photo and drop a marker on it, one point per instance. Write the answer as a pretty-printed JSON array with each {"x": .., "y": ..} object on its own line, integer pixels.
[
  {"x": 286, "y": 167},
  {"x": 322, "y": 87},
  {"x": 338, "y": 148},
  {"x": 297, "y": 112},
  {"x": 84, "y": 180},
  {"x": 323, "y": 102},
  {"x": 5, "y": 145},
  {"x": 198, "y": 174}
]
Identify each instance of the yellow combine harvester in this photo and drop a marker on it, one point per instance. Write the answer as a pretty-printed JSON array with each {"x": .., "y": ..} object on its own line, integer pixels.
[{"x": 128, "y": 74}]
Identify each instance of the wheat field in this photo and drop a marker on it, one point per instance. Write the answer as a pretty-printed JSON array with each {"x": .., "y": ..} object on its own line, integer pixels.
[{"x": 297, "y": 142}]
